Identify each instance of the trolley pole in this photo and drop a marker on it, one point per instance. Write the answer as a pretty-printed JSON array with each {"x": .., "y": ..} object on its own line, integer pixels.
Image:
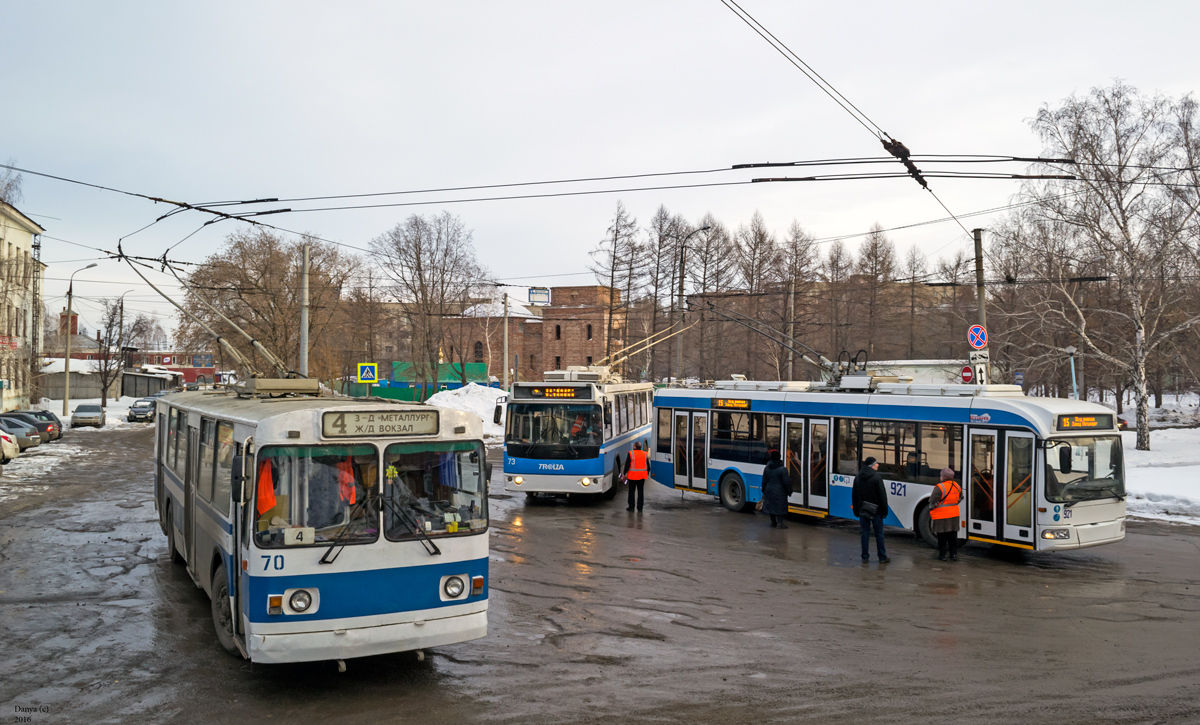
[{"x": 304, "y": 313}]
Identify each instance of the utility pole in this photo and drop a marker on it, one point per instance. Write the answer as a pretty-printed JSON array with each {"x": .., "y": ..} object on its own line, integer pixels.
[
  {"x": 679, "y": 342},
  {"x": 304, "y": 313},
  {"x": 121, "y": 342},
  {"x": 791, "y": 324},
  {"x": 978, "y": 233},
  {"x": 506, "y": 340},
  {"x": 67, "y": 362}
]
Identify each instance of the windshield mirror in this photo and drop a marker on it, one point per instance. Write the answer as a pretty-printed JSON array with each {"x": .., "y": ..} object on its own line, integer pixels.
[
  {"x": 434, "y": 489},
  {"x": 311, "y": 495},
  {"x": 1084, "y": 469}
]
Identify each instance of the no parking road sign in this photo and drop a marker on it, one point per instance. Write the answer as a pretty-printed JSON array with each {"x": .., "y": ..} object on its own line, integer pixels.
[
  {"x": 368, "y": 372},
  {"x": 977, "y": 336}
]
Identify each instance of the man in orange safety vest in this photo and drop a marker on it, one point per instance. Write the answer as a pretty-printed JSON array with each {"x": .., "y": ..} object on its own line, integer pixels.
[{"x": 637, "y": 467}]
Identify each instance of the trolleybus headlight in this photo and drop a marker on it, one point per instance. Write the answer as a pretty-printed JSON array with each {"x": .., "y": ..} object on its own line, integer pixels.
[
  {"x": 586, "y": 481},
  {"x": 300, "y": 601},
  {"x": 518, "y": 480},
  {"x": 1056, "y": 534},
  {"x": 454, "y": 587}
]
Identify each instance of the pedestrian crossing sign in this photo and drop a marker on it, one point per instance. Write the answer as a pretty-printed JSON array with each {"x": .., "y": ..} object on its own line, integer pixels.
[{"x": 368, "y": 372}]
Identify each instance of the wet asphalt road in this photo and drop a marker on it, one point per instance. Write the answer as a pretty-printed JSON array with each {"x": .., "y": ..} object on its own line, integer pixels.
[{"x": 686, "y": 613}]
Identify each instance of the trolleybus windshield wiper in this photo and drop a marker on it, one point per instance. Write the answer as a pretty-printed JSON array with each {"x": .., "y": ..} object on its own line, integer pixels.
[
  {"x": 401, "y": 514},
  {"x": 341, "y": 534}
]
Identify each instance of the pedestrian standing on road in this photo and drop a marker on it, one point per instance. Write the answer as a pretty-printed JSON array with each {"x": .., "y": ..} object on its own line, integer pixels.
[
  {"x": 943, "y": 514},
  {"x": 776, "y": 487},
  {"x": 870, "y": 504},
  {"x": 638, "y": 469}
]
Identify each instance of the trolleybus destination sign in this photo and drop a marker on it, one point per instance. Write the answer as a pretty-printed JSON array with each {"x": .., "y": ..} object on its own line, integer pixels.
[{"x": 351, "y": 424}]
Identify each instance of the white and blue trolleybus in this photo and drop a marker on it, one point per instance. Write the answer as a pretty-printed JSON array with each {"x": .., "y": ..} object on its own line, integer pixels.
[
  {"x": 1041, "y": 473},
  {"x": 571, "y": 433},
  {"x": 326, "y": 528}
]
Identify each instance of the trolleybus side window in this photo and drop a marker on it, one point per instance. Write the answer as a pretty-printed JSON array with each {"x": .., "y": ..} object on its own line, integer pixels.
[
  {"x": 181, "y": 442},
  {"x": 663, "y": 434},
  {"x": 224, "y": 469},
  {"x": 308, "y": 495},
  {"x": 608, "y": 420},
  {"x": 169, "y": 443},
  {"x": 847, "y": 446},
  {"x": 894, "y": 445},
  {"x": 204, "y": 481},
  {"x": 433, "y": 488},
  {"x": 941, "y": 447},
  {"x": 743, "y": 437}
]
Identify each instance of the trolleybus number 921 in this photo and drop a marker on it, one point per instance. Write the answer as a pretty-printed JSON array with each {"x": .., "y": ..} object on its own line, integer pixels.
[{"x": 386, "y": 423}]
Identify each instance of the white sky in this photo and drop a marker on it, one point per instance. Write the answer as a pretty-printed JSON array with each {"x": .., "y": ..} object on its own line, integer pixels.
[{"x": 234, "y": 100}]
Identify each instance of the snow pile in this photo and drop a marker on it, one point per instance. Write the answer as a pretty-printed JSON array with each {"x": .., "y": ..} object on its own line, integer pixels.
[
  {"x": 59, "y": 365},
  {"x": 1176, "y": 411},
  {"x": 473, "y": 399},
  {"x": 1164, "y": 483}
]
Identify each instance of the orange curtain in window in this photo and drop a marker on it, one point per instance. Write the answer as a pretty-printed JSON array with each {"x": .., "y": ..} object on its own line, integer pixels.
[{"x": 266, "y": 489}]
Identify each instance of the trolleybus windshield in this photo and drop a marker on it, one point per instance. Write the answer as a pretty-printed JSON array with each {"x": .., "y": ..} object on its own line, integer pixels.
[
  {"x": 434, "y": 489},
  {"x": 1084, "y": 469},
  {"x": 562, "y": 431},
  {"x": 307, "y": 495}
]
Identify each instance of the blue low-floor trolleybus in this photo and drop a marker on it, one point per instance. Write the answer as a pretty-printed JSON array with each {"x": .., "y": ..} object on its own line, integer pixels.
[
  {"x": 325, "y": 528},
  {"x": 571, "y": 433},
  {"x": 1041, "y": 473}
]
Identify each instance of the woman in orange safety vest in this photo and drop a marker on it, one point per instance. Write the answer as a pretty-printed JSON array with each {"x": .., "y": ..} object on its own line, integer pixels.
[{"x": 944, "y": 516}]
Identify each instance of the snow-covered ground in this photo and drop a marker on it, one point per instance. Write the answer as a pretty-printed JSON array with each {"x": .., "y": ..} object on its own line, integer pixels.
[
  {"x": 475, "y": 399},
  {"x": 1164, "y": 482},
  {"x": 1176, "y": 410}
]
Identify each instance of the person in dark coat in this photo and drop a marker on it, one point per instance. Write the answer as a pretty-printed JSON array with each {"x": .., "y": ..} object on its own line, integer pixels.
[
  {"x": 869, "y": 489},
  {"x": 776, "y": 487}
]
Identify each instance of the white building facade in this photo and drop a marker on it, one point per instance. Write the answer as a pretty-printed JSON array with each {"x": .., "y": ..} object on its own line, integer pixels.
[{"x": 21, "y": 281}]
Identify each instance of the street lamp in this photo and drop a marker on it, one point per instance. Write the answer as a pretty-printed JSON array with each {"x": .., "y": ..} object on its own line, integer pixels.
[
  {"x": 679, "y": 342},
  {"x": 67, "y": 362},
  {"x": 1070, "y": 350}
]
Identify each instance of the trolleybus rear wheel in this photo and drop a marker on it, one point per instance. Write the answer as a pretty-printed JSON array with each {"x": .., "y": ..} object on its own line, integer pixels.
[
  {"x": 733, "y": 493},
  {"x": 924, "y": 527},
  {"x": 222, "y": 616}
]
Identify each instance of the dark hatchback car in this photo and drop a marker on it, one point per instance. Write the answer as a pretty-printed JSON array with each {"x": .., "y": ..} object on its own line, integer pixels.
[
  {"x": 46, "y": 430},
  {"x": 47, "y": 416},
  {"x": 141, "y": 410}
]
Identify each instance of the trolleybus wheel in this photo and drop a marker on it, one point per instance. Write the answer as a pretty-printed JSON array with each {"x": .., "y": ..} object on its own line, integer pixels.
[
  {"x": 531, "y": 495},
  {"x": 733, "y": 493},
  {"x": 222, "y": 616},
  {"x": 173, "y": 552},
  {"x": 924, "y": 526}
]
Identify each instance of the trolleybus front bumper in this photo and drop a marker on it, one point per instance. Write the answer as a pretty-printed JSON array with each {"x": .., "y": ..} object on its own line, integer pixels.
[
  {"x": 559, "y": 483},
  {"x": 341, "y": 644},
  {"x": 1083, "y": 536}
]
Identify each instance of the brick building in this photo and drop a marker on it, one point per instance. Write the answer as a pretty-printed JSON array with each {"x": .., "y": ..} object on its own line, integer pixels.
[{"x": 571, "y": 330}]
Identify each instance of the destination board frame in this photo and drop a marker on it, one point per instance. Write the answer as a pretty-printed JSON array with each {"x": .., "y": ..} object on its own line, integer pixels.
[
  {"x": 554, "y": 392},
  {"x": 379, "y": 423}
]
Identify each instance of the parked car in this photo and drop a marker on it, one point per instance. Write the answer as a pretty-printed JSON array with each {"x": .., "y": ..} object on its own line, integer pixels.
[
  {"x": 8, "y": 447},
  {"x": 192, "y": 386},
  {"x": 26, "y": 435},
  {"x": 45, "y": 430},
  {"x": 141, "y": 410},
  {"x": 47, "y": 416},
  {"x": 88, "y": 415},
  {"x": 161, "y": 393}
]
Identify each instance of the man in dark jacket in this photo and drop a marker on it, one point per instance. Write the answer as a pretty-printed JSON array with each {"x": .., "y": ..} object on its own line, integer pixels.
[
  {"x": 870, "y": 504},
  {"x": 776, "y": 487}
]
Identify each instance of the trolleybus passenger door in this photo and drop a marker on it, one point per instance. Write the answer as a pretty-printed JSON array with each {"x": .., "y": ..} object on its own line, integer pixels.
[
  {"x": 189, "y": 498},
  {"x": 817, "y": 480},
  {"x": 699, "y": 442},
  {"x": 1018, "y": 487},
  {"x": 680, "y": 450},
  {"x": 793, "y": 457},
  {"x": 984, "y": 474}
]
